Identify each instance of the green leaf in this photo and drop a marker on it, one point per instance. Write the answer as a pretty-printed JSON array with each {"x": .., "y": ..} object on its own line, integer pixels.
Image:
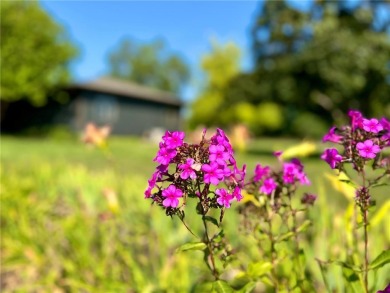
[
  {"x": 304, "y": 226},
  {"x": 285, "y": 236},
  {"x": 211, "y": 220},
  {"x": 218, "y": 237},
  {"x": 382, "y": 259},
  {"x": 347, "y": 266},
  {"x": 192, "y": 246},
  {"x": 379, "y": 185},
  {"x": 352, "y": 280},
  {"x": 248, "y": 288},
  {"x": 221, "y": 286},
  {"x": 259, "y": 269}
]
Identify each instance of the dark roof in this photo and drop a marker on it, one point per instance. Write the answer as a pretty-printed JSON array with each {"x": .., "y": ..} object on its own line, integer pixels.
[{"x": 129, "y": 89}]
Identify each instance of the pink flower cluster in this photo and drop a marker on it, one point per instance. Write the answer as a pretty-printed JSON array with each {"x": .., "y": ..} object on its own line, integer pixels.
[
  {"x": 269, "y": 180},
  {"x": 206, "y": 171},
  {"x": 363, "y": 139}
]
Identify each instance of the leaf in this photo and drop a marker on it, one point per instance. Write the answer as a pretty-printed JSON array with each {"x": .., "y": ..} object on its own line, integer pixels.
[
  {"x": 340, "y": 184},
  {"x": 259, "y": 269},
  {"x": 382, "y": 213},
  {"x": 382, "y": 259},
  {"x": 211, "y": 220},
  {"x": 352, "y": 280},
  {"x": 344, "y": 264},
  {"x": 248, "y": 288},
  {"x": 304, "y": 226},
  {"x": 303, "y": 149},
  {"x": 250, "y": 198},
  {"x": 285, "y": 236},
  {"x": 221, "y": 286},
  {"x": 218, "y": 237},
  {"x": 192, "y": 246}
]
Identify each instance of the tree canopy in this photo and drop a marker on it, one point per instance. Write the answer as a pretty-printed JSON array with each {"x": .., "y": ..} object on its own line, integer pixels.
[
  {"x": 219, "y": 66},
  {"x": 35, "y": 52},
  {"x": 149, "y": 64},
  {"x": 312, "y": 64}
]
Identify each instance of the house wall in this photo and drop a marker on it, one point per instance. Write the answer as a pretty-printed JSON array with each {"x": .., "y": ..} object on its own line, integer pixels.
[{"x": 124, "y": 115}]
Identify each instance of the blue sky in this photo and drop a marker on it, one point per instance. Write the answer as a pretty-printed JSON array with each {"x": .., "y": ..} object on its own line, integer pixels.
[{"x": 187, "y": 26}]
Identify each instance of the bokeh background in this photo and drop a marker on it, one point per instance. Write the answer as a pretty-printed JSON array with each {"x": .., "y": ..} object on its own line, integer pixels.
[{"x": 271, "y": 73}]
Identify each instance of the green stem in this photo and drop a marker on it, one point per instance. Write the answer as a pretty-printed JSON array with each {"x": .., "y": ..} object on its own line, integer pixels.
[
  {"x": 273, "y": 251},
  {"x": 365, "y": 224},
  {"x": 210, "y": 248}
]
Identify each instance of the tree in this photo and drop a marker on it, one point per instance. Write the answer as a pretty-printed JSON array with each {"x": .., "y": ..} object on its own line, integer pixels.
[
  {"x": 219, "y": 66},
  {"x": 35, "y": 53},
  {"x": 318, "y": 62},
  {"x": 148, "y": 64}
]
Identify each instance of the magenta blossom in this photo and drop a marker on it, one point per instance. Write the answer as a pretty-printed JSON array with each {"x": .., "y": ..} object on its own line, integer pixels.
[
  {"x": 212, "y": 173},
  {"x": 218, "y": 154},
  {"x": 367, "y": 149},
  {"x": 332, "y": 136},
  {"x": 290, "y": 170},
  {"x": 224, "y": 198},
  {"x": 151, "y": 184},
  {"x": 277, "y": 153},
  {"x": 356, "y": 119},
  {"x": 372, "y": 125},
  {"x": 237, "y": 193},
  {"x": 221, "y": 139},
  {"x": 261, "y": 172},
  {"x": 269, "y": 185},
  {"x": 171, "y": 195},
  {"x": 332, "y": 157},
  {"x": 188, "y": 171},
  {"x": 174, "y": 139},
  {"x": 385, "y": 123},
  {"x": 165, "y": 155}
]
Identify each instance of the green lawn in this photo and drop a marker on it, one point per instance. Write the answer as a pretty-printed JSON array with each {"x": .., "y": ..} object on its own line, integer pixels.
[{"x": 61, "y": 234}]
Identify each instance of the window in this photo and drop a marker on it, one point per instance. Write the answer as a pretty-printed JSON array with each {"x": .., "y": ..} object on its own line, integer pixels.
[{"x": 104, "y": 109}]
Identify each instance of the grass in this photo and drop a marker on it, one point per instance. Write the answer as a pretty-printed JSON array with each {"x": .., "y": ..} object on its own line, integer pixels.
[{"x": 62, "y": 232}]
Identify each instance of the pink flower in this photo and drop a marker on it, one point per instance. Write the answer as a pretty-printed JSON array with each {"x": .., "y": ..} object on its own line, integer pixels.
[
  {"x": 367, "y": 149},
  {"x": 237, "y": 193},
  {"x": 332, "y": 136},
  {"x": 221, "y": 139},
  {"x": 165, "y": 155},
  {"x": 261, "y": 172},
  {"x": 187, "y": 169},
  {"x": 372, "y": 125},
  {"x": 268, "y": 186},
  {"x": 172, "y": 194},
  {"x": 356, "y": 119},
  {"x": 218, "y": 154},
  {"x": 151, "y": 184},
  {"x": 238, "y": 175},
  {"x": 277, "y": 153},
  {"x": 174, "y": 139},
  {"x": 212, "y": 173},
  {"x": 224, "y": 198},
  {"x": 225, "y": 171},
  {"x": 385, "y": 123},
  {"x": 332, "y": 157}
]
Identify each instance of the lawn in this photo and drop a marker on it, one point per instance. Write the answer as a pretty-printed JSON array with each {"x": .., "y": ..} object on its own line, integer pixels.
[{"x": 74, "y": 219}]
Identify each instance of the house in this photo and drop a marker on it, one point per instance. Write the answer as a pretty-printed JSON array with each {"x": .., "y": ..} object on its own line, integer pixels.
[{"x": 128, "y": 108}]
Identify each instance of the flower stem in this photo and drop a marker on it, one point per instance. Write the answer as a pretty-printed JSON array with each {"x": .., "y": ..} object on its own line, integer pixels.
[
  {"x": 365, "y": 250},
  {"x": 365, "y": 224},
  {"x": 273, "y": 251},
  {"x": 210, "y": 248}
]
